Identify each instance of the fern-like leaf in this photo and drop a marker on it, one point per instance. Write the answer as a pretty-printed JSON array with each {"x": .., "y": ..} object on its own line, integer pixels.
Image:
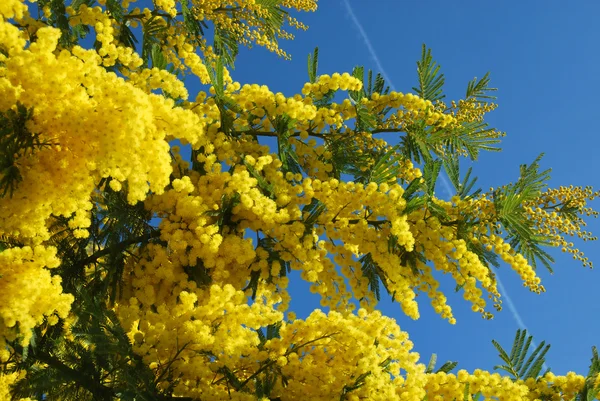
[
  {"x": 431, "y": 81},
  {"x": 518, "y": 364}
]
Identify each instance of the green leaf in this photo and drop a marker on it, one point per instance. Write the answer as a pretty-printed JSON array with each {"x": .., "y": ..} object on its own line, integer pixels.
[
  {"x": 158, "y": 58},
  {"x": 287, "y": 154},
  {"x": 385, "y": 169},
  {"x": 199, "y": 274},
  {"x": 463, "y": 189},
  {"x": 313, "y": 63},
  {"x": 469, "y": 137},
  {"x": 447, "y": 367},
  {"x": 431, "y": 81},
  {"x": 531, "y": 182},
  {"x": 412, "y": 188},
  {"x": 533, "y": 365},
  {"x": 431, "y": 172},
  {"x": 508, "y": 202},
  {"x": 266, "y": 187},
  {"x": 431, "y": 364},
  {"x": 503, "y": 355},
  {"x": 479, "y": 90},
  {"x": 190, "y": 22},
  {"x": 312, "y": 212},
  {"x": 115, "y": 9},
  {"x": 225, "y": 46},
  {"x": 517, "y": 363},
  {"x": 16, "y": 141},
  {"x": 347, "y": 156},
  {"x": 365, "y": 120},
  {"x": 126, "y": 36},
  {"x": 359, "y": 73},
  {"x": 273, "y": 18},
  {"x": 467, "y": 393},
  {"x": 379, "y": 86},
  {"x": 371, "y": 272},
  {"x": 151, "y": 30}
]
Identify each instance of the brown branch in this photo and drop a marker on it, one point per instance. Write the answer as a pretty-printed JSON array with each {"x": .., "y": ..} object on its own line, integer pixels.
[
  {"x": 121, "y": 246},
  {"x": 275, "y": 134},
  {"x": 81, "y": 379}
]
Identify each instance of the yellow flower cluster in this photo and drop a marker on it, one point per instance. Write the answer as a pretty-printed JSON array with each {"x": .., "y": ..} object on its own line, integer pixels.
[
  {"x": 230, "y": 227},
  {"x": 326, "y": 83},
  {"x": 6, "y": 381},
  {"x": 153, "y": 79},
  {"x": 247, "y": 22},
  {"x": 443, "y": 386},
  {"x": 547, "y": 213},
  {"x": 414, "y": 108},
  {"x": 29, "y": 294},
  {"x": 12, "y": 9},
  {"x": 355, "y": 356},
  {"x": 102, "y": 126},
  {"x": 110, "y": 51},
  {"x": 208, "y": 326},
  {"x": 331, "y": 352}
]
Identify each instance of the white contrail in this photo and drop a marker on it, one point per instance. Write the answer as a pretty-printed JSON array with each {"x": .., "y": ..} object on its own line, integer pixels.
[
  {"x": 368, "y": 43},
  {"x": 445, "y": 183},
  {"x": 375, "y": 58},
  {"x": 515, "y": 313}
]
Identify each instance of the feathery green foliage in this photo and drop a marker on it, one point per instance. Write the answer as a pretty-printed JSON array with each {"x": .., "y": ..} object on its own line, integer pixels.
[
  {"x": 517, "y": 364},
  {"x": 16, "y": 141},
  {"x": 431, "y": 81}
]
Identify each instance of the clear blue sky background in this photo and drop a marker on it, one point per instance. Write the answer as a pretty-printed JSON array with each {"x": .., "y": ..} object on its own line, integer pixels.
[{"x": 543, "y": 57}]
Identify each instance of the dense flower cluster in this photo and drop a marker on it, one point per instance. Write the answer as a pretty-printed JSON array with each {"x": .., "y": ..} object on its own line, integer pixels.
[
  {"x": 28, "y": 292},
  {"x": 200, "y": 299},
  {"x": 100, "y": 124},
  {"x": 6, "y": 380}
]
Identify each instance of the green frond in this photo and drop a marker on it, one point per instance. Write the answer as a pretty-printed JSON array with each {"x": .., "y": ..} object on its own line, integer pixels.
[
  {"x": 225, "y": 46},
  {"x": 359, "y": 73},
  {"x": 152, "y": 30},
  {"x": 419, "y": 142},
  {"x": 125, "y": 36},
  {"x": 157, "y": 57},
  {"x": 313, "y": 63},
  {"x": 431, "y": 364},
  {"x": 274, "y": 18},
  {"x": 269, "y": 245},
  {"x": 379, "y": 86},
  {"x": 518, "y": 364},
  {"x": 531, "y": 182},
  {"x": 508, "y": 202},
  {"x": 199, "y": 274},
  {"x": 347, "y": 157},
  {"x": 365, "y": 119},
  {"x": 470, "y": 138},
  {"x": 16, "y": 141},
  {"x": 265, "y": 186},
  {"x": 447, "y": 367},
  {"x": 312, "y": 212},
  {"x": 589, "y": 391},
  {"x": 463, "y": 188},
  {"x": 371, "y": 272},
  {"x": 412, "y": 260},
  {"x": 115, "y": 8},
  {"x": 193, "y": 26},
  {"x": 286, "y": 152},
  {"x": 479, "y": 90},
  {"x": 431, "y": 172},
  {"x": 431, "y": 81},
  {"x": 386, "y": 167}
]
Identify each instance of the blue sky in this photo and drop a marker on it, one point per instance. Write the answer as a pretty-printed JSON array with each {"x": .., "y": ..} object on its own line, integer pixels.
[{"x": 543, "y": 57}]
